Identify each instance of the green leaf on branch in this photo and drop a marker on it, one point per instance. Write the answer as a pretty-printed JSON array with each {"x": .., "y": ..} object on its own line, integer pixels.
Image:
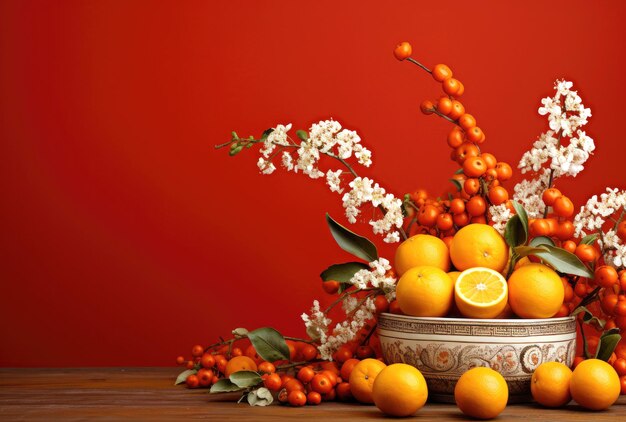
[
  {"x": 523, "y": 251},
  {"x": 516, "y": 230},
  {"x": 590, "y": 239},
  {"x": 359, "y": 246},
  {"x": 269, "y": 344},
  {"x": 515, "y": 234},
  {"x": 563, "y": 261},
  {"x": 608, "y": 342},
  {"x": 456, "y": 183},
  {"x": 541, "y": 240},
  {"x": 234, "y": 136},
  {"x": 342, "y": 272},
  {"x": 302, "y": 134},
  {"x": 245, "y": 379},
  {"x": 519, "y": 210},
  {"x": 224, "y": 386},
  {"x": 589, "y": 318},
  {"x": 182, "y": 377}
]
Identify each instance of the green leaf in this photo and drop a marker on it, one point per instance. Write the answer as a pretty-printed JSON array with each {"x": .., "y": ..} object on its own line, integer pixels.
[
  {"x": 516, "y": 231},
  {"x": 515, "y": 234},
  {"x": 523, "y": 251},
  {"x": 223, "y": 386},
  {"x": 235, "y": 151},
  {"x": 302, "y": 134},
  {"x": 541, "y": 240},
  {"x": 607, "y": 344},
  {"x": 266, "y": 133},
  {"x": 519, "y": 209},
  {"x": 342, "y": 272},
  {"x": 269, "y": 344},
  {"x": 588, "y": 317},
  {"x": 359, "y": 246},
  {"x": 245, "y": 379},
  {"x": 456, "y": 183},
  {"x": 182, "y": 377},
  {"x": 563, "y": 261},
  {"x": 260, "y": 397},
  {"x": 590, "y": 239},
  {"x": 459, "y": 171},
  {"x": 240, "y": 332},
  {"x": 234, "y": 136}
]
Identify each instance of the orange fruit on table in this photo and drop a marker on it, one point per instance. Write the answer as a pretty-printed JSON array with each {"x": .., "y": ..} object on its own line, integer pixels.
[
  {"x": 549, "y": 384},
  {"x": 362, "y": 379},
  {"x": 422, "y": 249},
  {"x": 400, "y": 390},
  {"x": 425, "y": 291},
  {"x": 535, "y": 291},
  {"x": 239, "y": 363},
  {"x": 479, "y": 245},
  {"x": 481, "y": 393},
  {"x": 595, "y": 384},
  {"x": 480, "y": 293}
]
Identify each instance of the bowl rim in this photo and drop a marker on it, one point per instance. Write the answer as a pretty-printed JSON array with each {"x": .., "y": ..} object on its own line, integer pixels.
[{"x": 479, "y": 320}]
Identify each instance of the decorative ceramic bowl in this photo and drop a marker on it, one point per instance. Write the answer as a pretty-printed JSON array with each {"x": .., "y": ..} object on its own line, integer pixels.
[{"x": 444, "y": 348}]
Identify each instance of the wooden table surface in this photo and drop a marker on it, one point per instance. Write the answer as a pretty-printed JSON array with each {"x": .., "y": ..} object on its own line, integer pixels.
[{"x": 149, "y": 394}]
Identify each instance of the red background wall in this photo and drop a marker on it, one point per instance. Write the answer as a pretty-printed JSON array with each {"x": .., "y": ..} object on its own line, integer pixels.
[{"x": 127, "y": 238}]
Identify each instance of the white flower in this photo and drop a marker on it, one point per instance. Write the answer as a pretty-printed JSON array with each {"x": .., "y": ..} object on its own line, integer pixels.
[
  {"x": 265, "y": 166},
  {"x": 317, "y": 323},
  {"x": 528, "y": 193},
  {"x": 363, "y": 155},
  {"x": 565, "y": 110},
  {"x": 347, "y": 330},
  {"x": 500, "y": 215},
  {"x": 592, "y": 216},
  {"x": 322, "y": 135},
  {"x": 333, "y": 180},
  {"x": 615, "y": 249},
  {"x": 287, "y": 161},
  {"x": 279, "y": 135},
  {"x": 363, "y": 191},
  {"x": 392, "y": 237},
  {"x": 543, "y": 149},
  {"x": 349, "y": 303}
]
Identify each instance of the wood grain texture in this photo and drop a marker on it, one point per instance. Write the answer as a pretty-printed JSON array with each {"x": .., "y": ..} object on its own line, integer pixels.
[{"x": 149, "y": 394}]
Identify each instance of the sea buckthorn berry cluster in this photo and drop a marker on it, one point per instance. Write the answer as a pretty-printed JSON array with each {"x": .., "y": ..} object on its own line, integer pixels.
[{"x": 479, "y": 178}]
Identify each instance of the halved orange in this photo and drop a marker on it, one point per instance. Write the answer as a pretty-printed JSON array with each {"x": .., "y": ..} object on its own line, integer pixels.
[{"x": 480, "y": 293}]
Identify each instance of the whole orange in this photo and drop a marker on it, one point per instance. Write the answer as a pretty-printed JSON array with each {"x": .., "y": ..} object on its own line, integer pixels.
[
  {"x": 400, "y": 390},
  {"x": 479, "y": 245},
  {"x": 425, "y": 291},
  {"x": 362, "y": 379},
  {"x": 422, "y": 249},
  {"x": 535, "y": 291},
  {"x": 481, "y": 393},
  {"x": 550, "y": 383},
  {"x": 595, "y": 384},
  {"x": 239, "y": 363}
]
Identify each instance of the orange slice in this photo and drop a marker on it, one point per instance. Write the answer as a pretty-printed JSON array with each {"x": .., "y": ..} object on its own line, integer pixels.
[{"x": 480, "y": 293}]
